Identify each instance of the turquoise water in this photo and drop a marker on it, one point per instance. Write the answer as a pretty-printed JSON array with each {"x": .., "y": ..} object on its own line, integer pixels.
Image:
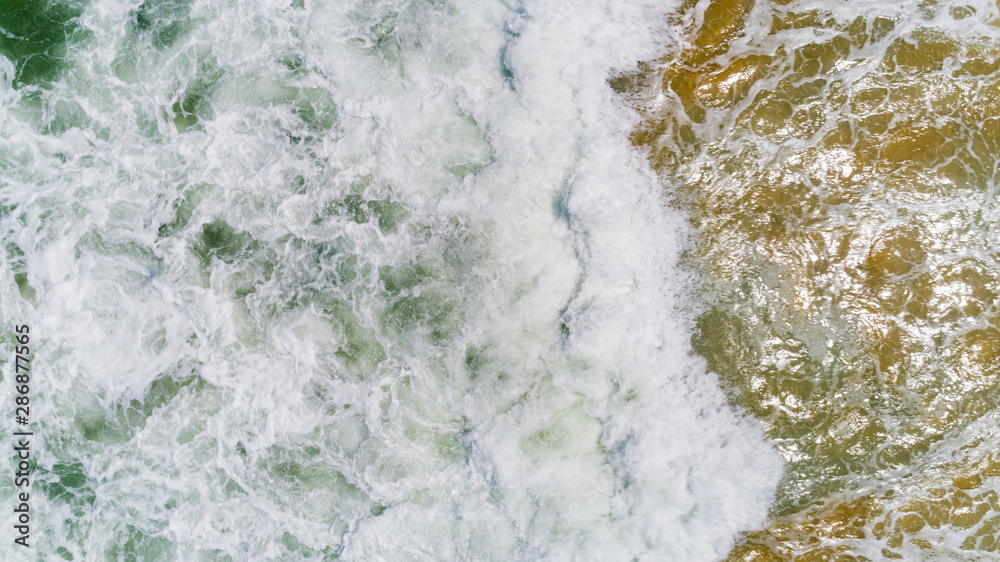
[{"x": 372, "y": 280}]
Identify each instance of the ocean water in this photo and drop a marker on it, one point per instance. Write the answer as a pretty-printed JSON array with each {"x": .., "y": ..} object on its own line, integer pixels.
[
  {"x": 397, "y": 280},
  {"x": 838, "y": 165}
]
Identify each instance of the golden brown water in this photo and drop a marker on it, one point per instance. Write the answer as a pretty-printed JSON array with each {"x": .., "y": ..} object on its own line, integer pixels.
[{"x": 839, "y": 162}]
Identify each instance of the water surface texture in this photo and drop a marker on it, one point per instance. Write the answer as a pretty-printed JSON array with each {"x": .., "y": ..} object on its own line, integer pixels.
[
  {"x": 839, "y": 165},
  {"x": 388, "y": 280}
]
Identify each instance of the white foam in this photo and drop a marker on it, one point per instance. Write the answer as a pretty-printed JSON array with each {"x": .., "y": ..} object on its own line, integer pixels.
[{"x": 390, "y": 388}]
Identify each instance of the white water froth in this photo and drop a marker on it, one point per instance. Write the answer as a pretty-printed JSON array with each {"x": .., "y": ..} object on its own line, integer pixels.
[{"x": 393, "y": 208}]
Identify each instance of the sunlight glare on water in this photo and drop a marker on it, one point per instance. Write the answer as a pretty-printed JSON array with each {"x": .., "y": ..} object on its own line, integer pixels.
[{"x": 839, "y": 165}]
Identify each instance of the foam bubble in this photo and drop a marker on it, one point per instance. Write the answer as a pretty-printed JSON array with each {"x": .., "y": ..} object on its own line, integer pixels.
[{"x": 376, "y": 279}]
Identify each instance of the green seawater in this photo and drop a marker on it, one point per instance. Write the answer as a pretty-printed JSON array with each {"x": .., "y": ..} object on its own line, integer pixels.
[{"x": 36, "y": 38}]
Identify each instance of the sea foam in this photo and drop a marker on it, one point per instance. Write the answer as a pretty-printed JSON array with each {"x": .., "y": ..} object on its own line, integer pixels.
[{"x": 378, "y": 279}]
